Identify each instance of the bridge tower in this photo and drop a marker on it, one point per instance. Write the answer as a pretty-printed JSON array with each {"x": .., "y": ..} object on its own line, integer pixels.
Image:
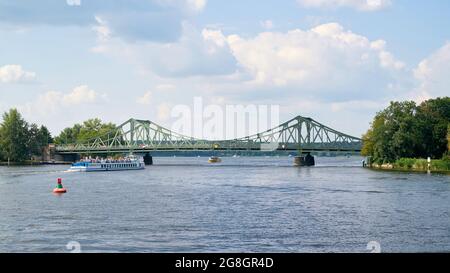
[{"x": 307, "y": 160}]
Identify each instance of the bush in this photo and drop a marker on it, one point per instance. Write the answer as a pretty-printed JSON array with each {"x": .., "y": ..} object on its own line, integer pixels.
[
  {"x": 440, "y": 165},
  {"x": 405, "y": 163},
  {"x": 421, "y": 164}
]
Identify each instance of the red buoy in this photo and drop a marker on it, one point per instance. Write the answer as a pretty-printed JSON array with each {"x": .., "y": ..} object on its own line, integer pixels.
[{"x": 59, "y": 187}]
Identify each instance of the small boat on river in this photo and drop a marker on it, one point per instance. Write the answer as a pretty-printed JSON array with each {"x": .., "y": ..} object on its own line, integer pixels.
[{"x": 214, "y": 159}]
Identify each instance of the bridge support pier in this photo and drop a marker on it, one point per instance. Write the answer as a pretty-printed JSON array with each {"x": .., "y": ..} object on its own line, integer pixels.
[
  {"x": 148, "y": 159},
  {"x": 65, "y": 157},
  {"x": 307, "y": 160}
]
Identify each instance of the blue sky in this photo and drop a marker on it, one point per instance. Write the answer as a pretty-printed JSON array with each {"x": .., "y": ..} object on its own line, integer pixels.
[{"x": 337, "y": 61}]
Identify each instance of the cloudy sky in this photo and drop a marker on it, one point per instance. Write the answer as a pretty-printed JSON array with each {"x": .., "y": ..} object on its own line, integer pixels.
[{"x": 337, "y": 61}]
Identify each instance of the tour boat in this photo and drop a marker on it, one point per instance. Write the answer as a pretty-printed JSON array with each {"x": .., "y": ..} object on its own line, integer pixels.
[
  {"x": 214, "y": 159},
  {"x": 95, "y": 165}
]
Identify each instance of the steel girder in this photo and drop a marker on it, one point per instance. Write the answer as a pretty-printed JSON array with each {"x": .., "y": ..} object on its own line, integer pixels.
[{"x": 299, "y": 133}]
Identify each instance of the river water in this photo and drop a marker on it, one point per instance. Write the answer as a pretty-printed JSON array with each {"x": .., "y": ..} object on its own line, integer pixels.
[{"x": 245, "y": 204}]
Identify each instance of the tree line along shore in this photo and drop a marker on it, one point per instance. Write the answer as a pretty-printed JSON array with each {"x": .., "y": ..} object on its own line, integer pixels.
[
  {"x": 400, "y": 137},
  {"x": 404, "y": 135},
  {"x": 25, "y": 143}
]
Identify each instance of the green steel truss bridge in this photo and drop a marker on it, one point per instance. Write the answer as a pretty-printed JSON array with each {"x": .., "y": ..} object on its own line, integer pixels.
[{"x": 143, "y": 136}]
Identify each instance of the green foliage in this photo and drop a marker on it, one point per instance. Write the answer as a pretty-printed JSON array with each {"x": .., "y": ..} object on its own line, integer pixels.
[
  {"x": 45, "y": 137},
  {"x": 448, "y": 139},
  {"x": 367, "y": 149},
  {"x": 90, "y": 129},
  {"x": 38, "y": 139},
  {"x": 94, "y": 128},
  {"x": 441, "y": 165},
  {"x": 422, "y": 164},
  {"x": 405, "y": 130},
  {"x": 68, "y": 135},
  {"x": 14, "y": 136},
  {"x": 33, "y": 144},
  {"x": 405, "y": 163},
  {"x": 433, "y": 119},
  {"x": 18, "y": 140}
]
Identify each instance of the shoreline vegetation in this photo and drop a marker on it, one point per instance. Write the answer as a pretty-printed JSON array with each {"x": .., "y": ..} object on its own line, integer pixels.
[
  {"x": 414, "y": 165},
  {"x": 410, "y": 137},
  {"x": 22, "y": 143}
]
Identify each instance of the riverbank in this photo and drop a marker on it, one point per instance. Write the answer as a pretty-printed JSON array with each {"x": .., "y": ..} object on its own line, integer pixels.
[{"x": 415, "y": 165}]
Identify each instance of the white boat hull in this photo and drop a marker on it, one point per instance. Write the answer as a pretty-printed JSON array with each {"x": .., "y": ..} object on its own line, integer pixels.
[{"x": 104, "y": 167}]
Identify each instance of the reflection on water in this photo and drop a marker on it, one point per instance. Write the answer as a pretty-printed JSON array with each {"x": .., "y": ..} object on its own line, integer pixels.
[{"x": 242, "y": 204}]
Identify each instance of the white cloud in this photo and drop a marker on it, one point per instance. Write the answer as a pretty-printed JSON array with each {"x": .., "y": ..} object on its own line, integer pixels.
[
  {"x": 214, "y": 36},
  {"x": 388, "y": 60},
  {"x": 363, "y": 5},
  {"x": 58, "y": 110},
  {"x": 326, "y": 59},
  {"x": 14, "y": 73},
  {"x": 433, "y": 75},
  {"x": 79, "y": 95},
  {"x": 51, "y": 102},
  {"x": 196, "y": 53},
  {"x": 146, "y": 99}
]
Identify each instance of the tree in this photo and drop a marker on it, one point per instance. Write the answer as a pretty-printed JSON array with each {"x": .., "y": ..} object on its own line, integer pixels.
[
  {"x": 448, "y": 138},
  {"x": 68, "y": 135},
  {"x": 90, "y": 129},
  {"x": 392, "y": 128},
  {"x": 367, "y": 149},
  {"x": 38, "y": 139},
  {"x": 404, "y": 129},
  {"x": 33, "y": 145},
  {"x": 433, "y": 118},
  {"x": 45, "y": 137},
  {"x": 13, "y": 136},
  {"x": 2, "y": 157}
]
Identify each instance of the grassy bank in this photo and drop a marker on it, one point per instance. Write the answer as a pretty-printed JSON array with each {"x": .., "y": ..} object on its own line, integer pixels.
[{"x": 416, "y": 164}]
